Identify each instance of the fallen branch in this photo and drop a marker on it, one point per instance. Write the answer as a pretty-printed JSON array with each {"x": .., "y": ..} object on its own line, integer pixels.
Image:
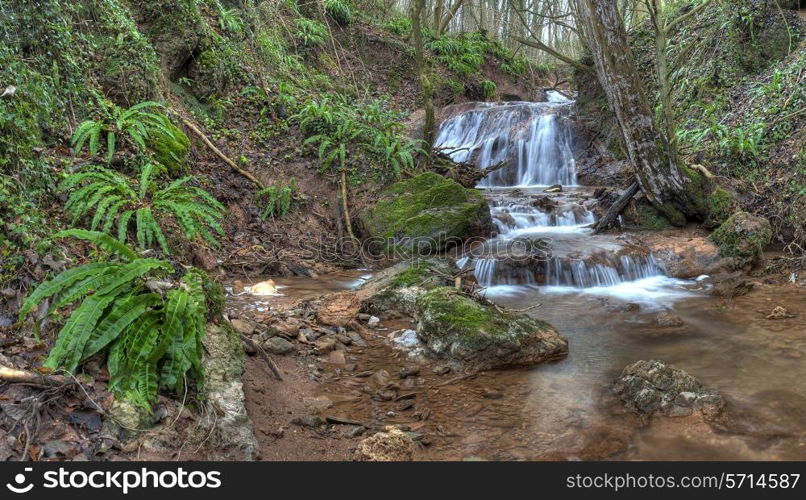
[
  {"x": 13, "y": 375},
  {"x": 221, "y": 155},
  {"x": 263, "y": 354},
  {"x": 615, "y": 209}
]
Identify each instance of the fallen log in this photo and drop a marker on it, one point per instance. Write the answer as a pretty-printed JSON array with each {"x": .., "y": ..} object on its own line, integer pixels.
[{"x": 615, "y": 209}]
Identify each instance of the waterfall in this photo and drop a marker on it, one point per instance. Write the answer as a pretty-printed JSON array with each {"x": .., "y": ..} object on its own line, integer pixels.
[
  {"x": 532, "y": 137},
  {"x": 535, "y": 140}
]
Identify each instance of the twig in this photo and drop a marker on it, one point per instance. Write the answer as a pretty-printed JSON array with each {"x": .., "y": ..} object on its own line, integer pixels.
[
  {"x": 21, "y": 376},
  {"x": 263, "y": 354}
]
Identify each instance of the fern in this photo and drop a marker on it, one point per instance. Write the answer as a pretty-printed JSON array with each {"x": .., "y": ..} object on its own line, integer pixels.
[
  {"x": 277, "y": 200},
  {"x": 151, "y": 340},
  {"x": 142, "y": 125},
  {"x": 339, "y": 10},
  {"x": 114, "y": 201}
]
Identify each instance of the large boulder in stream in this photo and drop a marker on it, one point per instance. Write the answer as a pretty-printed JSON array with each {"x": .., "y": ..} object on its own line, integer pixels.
[
  {"x": 742, "y": 238},
  {"x": 426, "y": 214},
  {"x": 653, "y": 387},
  {"x": 480, "y": 336}
]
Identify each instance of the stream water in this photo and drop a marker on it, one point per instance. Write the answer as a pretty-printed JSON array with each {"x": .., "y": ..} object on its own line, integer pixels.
[{"x": 603, "y": 294}]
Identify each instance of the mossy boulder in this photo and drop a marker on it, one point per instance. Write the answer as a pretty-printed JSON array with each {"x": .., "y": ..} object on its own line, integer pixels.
[
  {"x": 457, "y": 327},
  {"x": 427, "y": 214},
  {"x": 397, "y": 288},
  {"x": 720, "y": 206},
  {"x": 742, "y": 238}
]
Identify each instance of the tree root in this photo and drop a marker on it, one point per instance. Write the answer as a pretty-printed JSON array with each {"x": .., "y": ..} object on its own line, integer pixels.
[{"x": 221, "y": 155}]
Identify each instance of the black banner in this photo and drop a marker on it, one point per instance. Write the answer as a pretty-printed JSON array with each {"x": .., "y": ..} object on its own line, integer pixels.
[{"x": 377, "y": 480}]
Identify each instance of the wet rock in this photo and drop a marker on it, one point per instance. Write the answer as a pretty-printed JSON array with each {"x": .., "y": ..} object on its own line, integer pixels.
[
  {"x": 556, "y": 188},
  {"x": 336, "y": 358},
  {"x": 544, "y": 203},
  {"x": 689, "y": 257},
  {"x": 650, "y": 387},
  {"x": 243, "y": 326},
  {"x": 779, "y": 312},
  {"x": 263, "y": 288},
  {"x": 427, "y": 212},
  {"x": 408, "y": 371},
  {"x": 357, "y": 339},
  {"x": 288, "y": 327},
  {"x": 729, "y": 285},
  {"x": 668, "y": 320},
  {"x": 742, "y": 238},
  {"x": 308, "y": 421},
  {"x": 325, "y": 345},
  {"x": 278, "y": 345},
  {"x": 338, "y": 309},
  {"x": 237, "y": 287},
  {"x": 455, "y": 326},
  {"x": 393, "y": 445},
  {"x": 442, "y": 370}
]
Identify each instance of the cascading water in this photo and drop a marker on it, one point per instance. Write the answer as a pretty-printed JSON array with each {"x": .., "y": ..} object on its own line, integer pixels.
[{"x": 535, "y": 140}]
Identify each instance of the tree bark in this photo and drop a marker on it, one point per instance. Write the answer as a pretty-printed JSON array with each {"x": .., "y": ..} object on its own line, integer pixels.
[
  {"x": 422, "y": 71},
  {"x": 675, "y": 191}
]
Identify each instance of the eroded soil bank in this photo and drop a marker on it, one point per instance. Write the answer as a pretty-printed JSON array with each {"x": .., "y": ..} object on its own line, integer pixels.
[{"x": 335, "y": 393}]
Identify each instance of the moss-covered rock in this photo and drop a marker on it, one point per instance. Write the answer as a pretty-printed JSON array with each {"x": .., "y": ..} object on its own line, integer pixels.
[
  {"x": 427, "y": 214},
  {"x": 720, "y": 206},
  {"x": 461, "y": 329},
  {"x": 398, "y": 287},
  {"x": 742, "y": 238}
]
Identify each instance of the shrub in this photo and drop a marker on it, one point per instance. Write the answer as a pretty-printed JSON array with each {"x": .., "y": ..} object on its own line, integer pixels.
[
  {"x": 309, "y": 32},
  {"x": 339, "y": 10}
]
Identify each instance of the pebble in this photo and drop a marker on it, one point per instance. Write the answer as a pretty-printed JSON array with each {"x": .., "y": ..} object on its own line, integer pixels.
[
  {"x": 344, "y": 339},
  {"x": 355, "y": 431},
  {"x": 325, "y": 345},
  {"x": 308, "y": 421},
  {"x": 492, "y": 393},
  {"x": 243, "y": 326},
  {"x": 442, "y": 370},
  {"x": 336, "y": 358},
  {"x": 237, "y": 287},
  {"x": 278, "y": 345},
  {"x": 408, "y": 371},
  {"x": 373, "y": 321},
  {"x": 357, "y": 339}
]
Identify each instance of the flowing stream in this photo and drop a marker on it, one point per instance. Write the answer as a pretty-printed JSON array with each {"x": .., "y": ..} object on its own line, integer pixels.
[{"x": 603, "y": 294}]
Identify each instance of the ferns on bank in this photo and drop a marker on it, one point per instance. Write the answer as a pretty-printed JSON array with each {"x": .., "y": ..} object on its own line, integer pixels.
[
  {"x": 142, "y": 125},
  {"x": 152, "y": 337},
  {"x": 277, "y": 200},
  {"x": 339, "y": 10},
  {"x": 115, "y": 203}
]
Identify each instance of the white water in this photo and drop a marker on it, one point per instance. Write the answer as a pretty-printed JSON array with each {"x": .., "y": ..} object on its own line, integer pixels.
[
  {"x": 535, "y": 138},
  {"x": 532, "y": 137}
]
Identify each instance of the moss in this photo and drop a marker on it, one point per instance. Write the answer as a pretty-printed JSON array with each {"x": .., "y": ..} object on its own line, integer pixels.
[
  {"x": 427, "y": 210},
  {"x": 720, "y": 205},
  {"x": 696, "y": 191},
  {"x": 742, "y": 238},
  {"x": 454, "y": 314},
  {"x": 649, "y": 218}
]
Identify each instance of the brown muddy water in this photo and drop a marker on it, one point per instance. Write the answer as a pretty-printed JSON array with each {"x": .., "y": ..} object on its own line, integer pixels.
[{"x": 564, "y": 410}]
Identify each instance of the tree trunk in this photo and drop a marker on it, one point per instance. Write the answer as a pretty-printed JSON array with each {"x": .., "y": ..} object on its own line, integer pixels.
[
  {"x": 425, "y": 81},
  {"x": 674, "y": 191}
]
